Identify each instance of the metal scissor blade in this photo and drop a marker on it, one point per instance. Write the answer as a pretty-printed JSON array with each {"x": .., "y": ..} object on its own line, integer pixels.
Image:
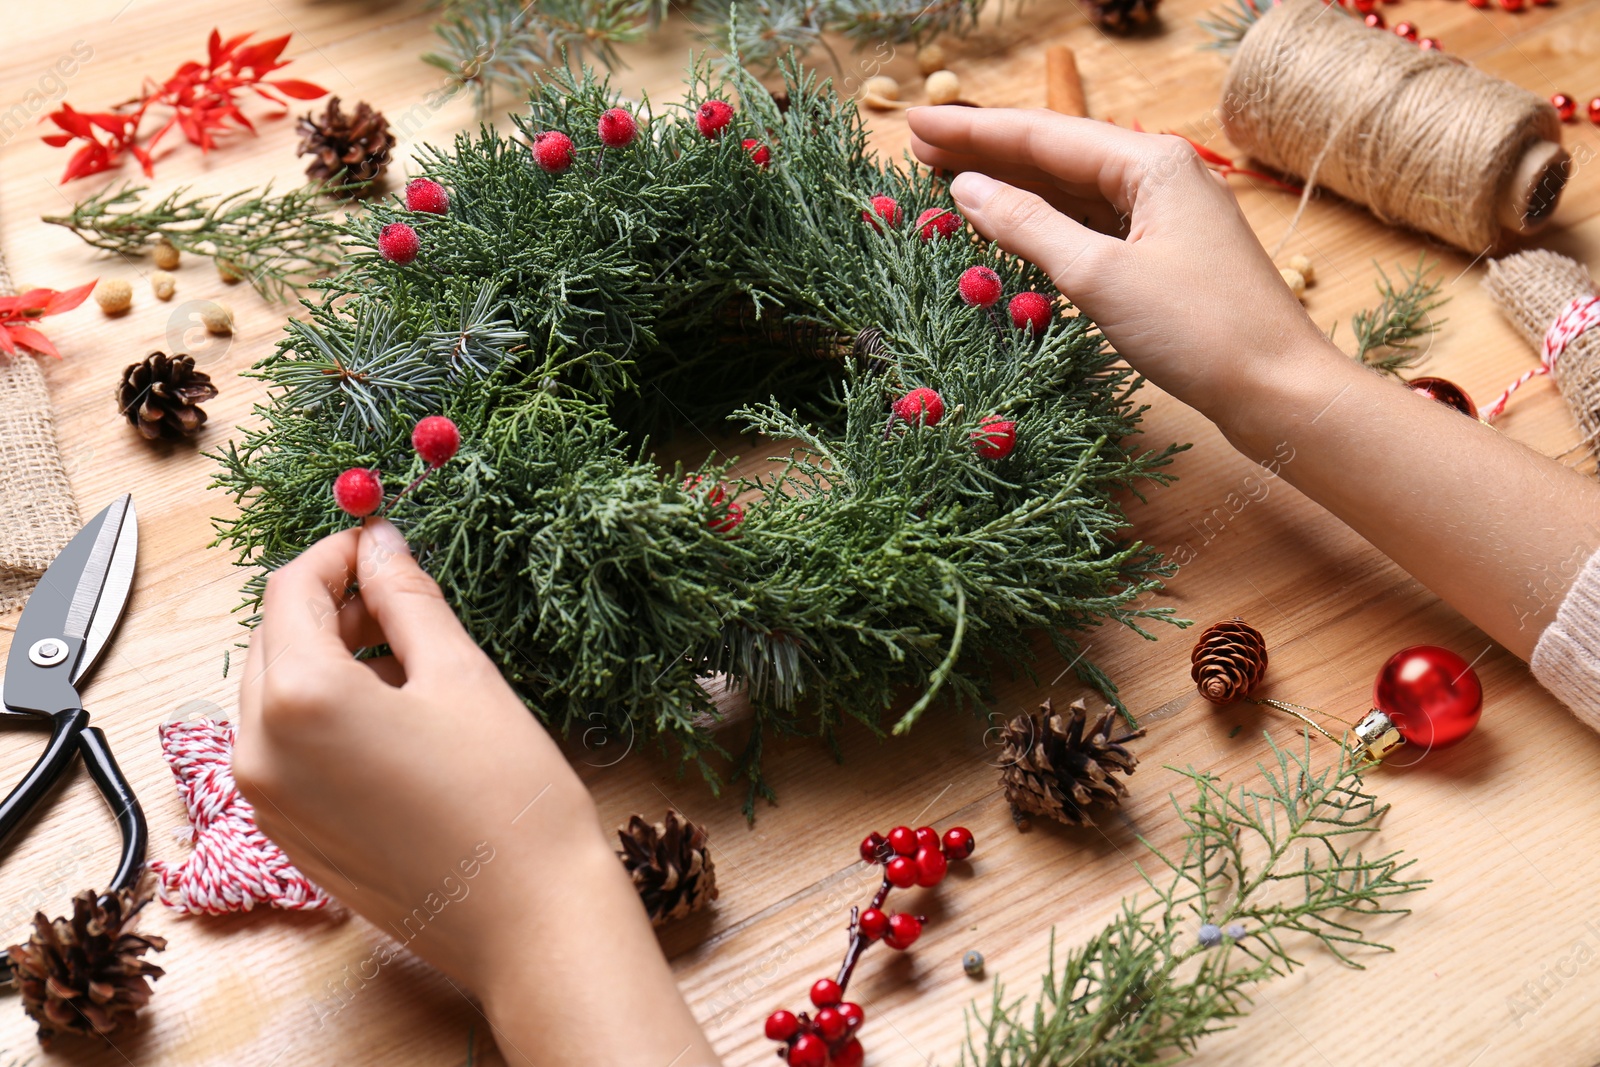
[{"x": 114, "y": 590}]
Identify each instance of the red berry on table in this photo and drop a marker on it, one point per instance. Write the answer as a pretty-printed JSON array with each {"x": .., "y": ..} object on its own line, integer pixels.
[
  {"x": 617, "y": 128},
  {"x": 1478, "y": 3},
  {"x": 1511, "y": 5},
  {"x": 825, "y": 993},
  {"x": 902, "y": 838},
  {"x": 1406, "y": 30},
  {"x": 995, "y": 437},
  {"x": 886, "y": 208},
  {"x": 782, "y": 1025},
  {"x": 1566, "y": 107},
  {"x": 1365, "y": 6},
  {"x": 425, "y": 194},
  {"x": 358, "y": 491},
  {"x": 873, "y": 847},
  {"x": 831, "y": 1024},
  {"x": 552, "y": 150},
  {"x": 979, "y": 287},
  {"x": 713, "y": 117},
  {"x": 398, "y": 243},
  {"x": 808, "y": 1050},
  {"x": 1375, "y": 20},
  {"x": 958, "y": 843},
  {"x": 1594, "y": 111},
  {"x": 1430, "y": 44},
  {"x": 927, "y": 407},
  {"x": 848, "y": 1054},
  {"x": 759, "y": 153},
  {"x": 938, "y": 222},
  {"x": 436, "y": 440},
  {"x": 1031, "y": 309},
  {"x": 931, "y": 866},
  {"x": 901, "y": 872},
  {"x": 903, "y": 930},
  {"x": 927, "y": 837},
  {"x": 853, "y": 1015},
  {"x": 873, "y": 924}
]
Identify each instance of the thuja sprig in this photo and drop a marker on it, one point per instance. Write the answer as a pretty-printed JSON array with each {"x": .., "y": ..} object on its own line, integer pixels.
[
  {"x": 1262, "y": 871},
  {"x": 278, "y": 242},
  {"x": 1387, "y": 335}
]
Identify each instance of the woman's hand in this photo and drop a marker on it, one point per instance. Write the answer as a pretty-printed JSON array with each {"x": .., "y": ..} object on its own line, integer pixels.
[{"x": 418, "y": 790}]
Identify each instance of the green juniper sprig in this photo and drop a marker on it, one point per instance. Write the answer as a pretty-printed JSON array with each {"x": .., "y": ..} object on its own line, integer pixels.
[
  {"x": 1261, "y": 870},
  {"x": 1386, "y": 335},
  {"x": 280, "y": 242}
]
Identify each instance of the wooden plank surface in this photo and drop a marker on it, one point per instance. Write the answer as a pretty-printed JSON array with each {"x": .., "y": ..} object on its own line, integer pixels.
[{"x": 1507, "y": 825}]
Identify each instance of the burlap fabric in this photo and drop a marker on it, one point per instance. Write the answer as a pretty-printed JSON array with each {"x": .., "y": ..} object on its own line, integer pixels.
[{"x": 37, "y": 512}]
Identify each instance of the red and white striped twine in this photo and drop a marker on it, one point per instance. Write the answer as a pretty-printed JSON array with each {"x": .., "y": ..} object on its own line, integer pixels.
[
  {"x": 234, "y": 866},
  {"x": 1578, "y": 316}
]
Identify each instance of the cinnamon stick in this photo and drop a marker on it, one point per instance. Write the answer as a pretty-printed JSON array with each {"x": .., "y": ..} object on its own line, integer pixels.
[{"x": 1063, "y": 87}]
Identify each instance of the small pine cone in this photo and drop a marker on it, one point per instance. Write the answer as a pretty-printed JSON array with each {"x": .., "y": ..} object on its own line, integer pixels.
[
  {"x": 870, "y": 351},
  {"x": 1228, "y": 661},
  {"x": 1121, "y": 16},
  {"x": 84, "y": 975},
  {"x": 347, "y": 150},
  {"x": 161, "y": 396},
  {"x": 1061, "y": 766},
  {"x": 670, "y": 865}
]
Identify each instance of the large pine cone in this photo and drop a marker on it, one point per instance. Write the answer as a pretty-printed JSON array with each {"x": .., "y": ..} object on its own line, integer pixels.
[
  {"x": 670, "y": 865},
  {"x": 1121, "y": 16},
  {"x": 1228, "y": 661},
  {"x": 1061, "y": 767},
  {"x": 84, "y": 975},
  {"x": 161, "y": 396},
  {"x": 350, "y": 151}
]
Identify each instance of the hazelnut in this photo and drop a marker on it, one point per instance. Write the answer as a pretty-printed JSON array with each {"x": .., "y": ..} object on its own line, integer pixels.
[{"x": 114, "y": 296}]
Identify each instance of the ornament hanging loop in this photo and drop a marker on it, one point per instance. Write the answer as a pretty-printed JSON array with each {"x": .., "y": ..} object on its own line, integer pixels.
[{"x": 1373, "y": 738}]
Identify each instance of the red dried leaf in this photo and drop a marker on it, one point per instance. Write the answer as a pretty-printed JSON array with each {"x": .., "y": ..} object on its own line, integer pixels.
[
  {"x": 300, "y": 90},
  {"x": 261, "y": 56},
  {"x": 55, "y": 303},
  {"x": 57, "y": 140},
  {"x": 27, "y": 335}
]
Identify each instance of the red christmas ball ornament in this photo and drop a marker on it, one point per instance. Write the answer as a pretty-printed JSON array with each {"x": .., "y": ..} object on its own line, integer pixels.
[
  {"x": 808, "y": 1050},
  {"x": 436, "y": 440},
  {"x": 927, "y": 407},
  {"x": 1566, "y": 107},
  {"x": 886, "y": 208},
  {"x": 931, "y": 866},
  {"x": 617, "y": 128},
  {"x": 713, "y": 117},
  {"x": 1445, "y": 392},
  {"x": 873, "y": 924},
  {"x": 853, "y": 1015},
  {"x": 938, "y": 222},
  {"x": 782, "y": 1025},
  {"x": 759, "y": 153},
  {"x": 848, "y": 1054},
  {"x": 979, "y": 287},
  {"x": 903, "y": 931},
  {"x": 831, "y": 1024},
  {"x": 901, "y": 872},
  {"x": 1375, "y": 20},
  {"x": 552, "y": 150},
  {"x": 398, "y": 243},
  {"x": 1031, "y": 310},
  {"x": 1431, "y": 694},
  {"x": 958, "y": 843},
  {"x": 825, "y": 993},
  {"x": 425, "y": 194},
  {"x": 995, "y": 437},
  {"x": 873, "y": 847},
  {"x": 1430, "y": 44},
  {"x": 1406, "y": 30},
  {"x": 1594, "y": 111},
  {"x": 358, "y": 491}
]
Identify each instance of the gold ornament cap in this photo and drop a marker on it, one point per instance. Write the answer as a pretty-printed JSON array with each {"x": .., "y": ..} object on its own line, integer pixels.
[{"x": 1376, "y": 735}]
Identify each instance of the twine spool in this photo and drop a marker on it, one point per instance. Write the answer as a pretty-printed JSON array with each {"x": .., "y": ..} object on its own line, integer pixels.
[
  {"x": 1418, "y": 137},
  {"x": 1550, "y": 299}
]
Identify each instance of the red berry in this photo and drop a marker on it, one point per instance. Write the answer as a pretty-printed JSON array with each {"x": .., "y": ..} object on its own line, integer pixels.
[
  {"x": 927, "y": 407},
  {"x": 886, "y": 208},
  {"x": 808, "y": 1050},
  {"x": 1031, "y": 309},
  {"x": 903, "y": 930},
  {"x": 831, "y": 1025},
  {"x": 848, "y": 1054},
  {"x": 782, "y": 1025},
  {"x": 927, "y": 837},
  {"x": 901, "y": 872},
  {"x": 825, "y": 993},
  {"x": 872, "y": 847},
  {"x": 1594, "y": 111},
  {"x": 931, "y": 866},
  {"x": 1511, "y": 5},
  {"x": 730, "y": 520},
  {"x": 995, "y": 437},
  {"x": 1364, "y": 6},
  {"x": 617, "y": 128},
  {"x": 902, "y": 838},
  {"x": 873, "y": 924},
  {"x": 1375, "y": 20},
  {"x": 552, "y": 150},
  {"x": 1406, "y": 30},
  {"x": 1478, "y": 3},
  {"x": 938, "y": 222},
  {"x": 424, "y": 194},
  {"x": 760, "y": 154},
  {"x": 1430, "y": 44},
  {"x": 1566, "y": 107},
  {"x": 958, "y": 843},
  {"x": 358, "y": 491},
  {"x": 436, "y": 440},
  {"x": 398, "y": 243},
  {"x": 852, "y": 1013},
  {"x": 713, "y": 117},
  {"x": 979, "y": 286}
]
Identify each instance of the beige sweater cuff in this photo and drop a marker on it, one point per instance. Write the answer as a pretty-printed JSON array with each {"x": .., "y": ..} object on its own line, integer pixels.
[{"x": 1567, "y": 659}]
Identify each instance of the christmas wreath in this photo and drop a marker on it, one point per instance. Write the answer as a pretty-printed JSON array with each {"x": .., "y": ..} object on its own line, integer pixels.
[{"x": 952, "y": 461}]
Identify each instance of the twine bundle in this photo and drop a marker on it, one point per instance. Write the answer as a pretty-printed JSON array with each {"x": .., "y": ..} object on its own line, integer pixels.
[{"x": 1418, "y": 137}]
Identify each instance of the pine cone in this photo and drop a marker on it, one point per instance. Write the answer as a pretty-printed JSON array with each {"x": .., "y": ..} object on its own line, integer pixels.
[
  {"x": 1061, "y": 767},
  {"x": 1228, "y": 661},
  {"x": 1121, "y": 16},
  {"x": 349, "y": 150},
  {"x": 83, "y": 975},
  {"x": 161, "y": 396},
  {"x": 870, "y": 349},
  {"x": 670, "y": 865}
]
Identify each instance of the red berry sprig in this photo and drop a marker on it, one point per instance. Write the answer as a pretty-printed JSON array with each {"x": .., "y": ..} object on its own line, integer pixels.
[
  {"x": 938, "y": 222},
  {"x": 552, "y": 150},
  {"x": 425, "y": 194},
  {"x": 398, "y": 243},
  {"x": 886, "y": 208},
  {"x": 909, "y": 857},
  {"x": 713, "y": 117},
  {"x": 726, "y": 514},
  {"x": 618, "y": 128},
  {"x": 359, "y": 490},
  {"x": 979, "y": 287},
  {"x": 759, "y": 153},
  {"x": 920, "y": 406}
]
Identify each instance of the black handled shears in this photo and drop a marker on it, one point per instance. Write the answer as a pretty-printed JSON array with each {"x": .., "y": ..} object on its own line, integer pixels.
[{"x": 63, "y": 632}]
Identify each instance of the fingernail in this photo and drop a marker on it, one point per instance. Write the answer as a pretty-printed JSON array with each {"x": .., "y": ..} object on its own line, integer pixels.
[
  {"x": 972, "y": 189},
  {"x": 386, "y": 537}
]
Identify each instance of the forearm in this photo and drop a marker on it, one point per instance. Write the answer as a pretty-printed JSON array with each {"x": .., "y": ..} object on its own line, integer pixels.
[{"x": 1495, "y": 529}]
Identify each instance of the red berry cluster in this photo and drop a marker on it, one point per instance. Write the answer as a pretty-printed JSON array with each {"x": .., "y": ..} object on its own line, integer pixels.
[
  {"x": 934, "y": 222},
  {"x": 359, "y": 490},
  {"x": 995, "y": 437},
  {"x": 909, "y": 857}
]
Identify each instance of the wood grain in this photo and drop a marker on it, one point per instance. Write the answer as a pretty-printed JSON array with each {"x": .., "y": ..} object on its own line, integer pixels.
[{"x": 1507, "y": 825}]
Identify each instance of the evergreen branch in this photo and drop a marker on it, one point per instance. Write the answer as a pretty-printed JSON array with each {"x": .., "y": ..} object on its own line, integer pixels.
[
  {"x": 1386, "y": 335},
  {"x": 279, "y": 242},
  {"x": 1257, "y": 866},
  {"x": 1227, "y": 25}
]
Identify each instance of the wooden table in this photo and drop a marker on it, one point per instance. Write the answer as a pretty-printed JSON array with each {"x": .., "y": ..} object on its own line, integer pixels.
[{"x": 1507, "y": 825}]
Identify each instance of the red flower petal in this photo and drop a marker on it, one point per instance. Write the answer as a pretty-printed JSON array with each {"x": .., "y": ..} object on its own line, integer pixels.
[
  {"x": 27, "y": 335},
  {"x": 67, "y": 299},
  {"x": 57, "y": 140}
]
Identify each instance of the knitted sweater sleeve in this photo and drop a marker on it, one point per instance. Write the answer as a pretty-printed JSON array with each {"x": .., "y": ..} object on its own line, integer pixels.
[{"x": 1566, "y": 660}]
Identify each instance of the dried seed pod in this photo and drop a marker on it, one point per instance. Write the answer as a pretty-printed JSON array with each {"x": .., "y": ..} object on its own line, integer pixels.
[
  {"x": 931, "y": 57},
  {"x": 165, "y": 254},
  {"x": 114, "y": 296},
  {"x": 881, "y": 93},
  {"x": 228, "y": 272},
  {"x": 942, "y": 87},
  {"x": 218, "y": 318},
  {"x": 1303, "y": 265},
  {"x": 1294, "y": 280},
  {"x": 163, "y": 285}
]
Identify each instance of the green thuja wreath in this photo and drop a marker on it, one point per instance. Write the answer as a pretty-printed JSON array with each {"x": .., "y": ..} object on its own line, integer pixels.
[{"x": 674, "y": 283}]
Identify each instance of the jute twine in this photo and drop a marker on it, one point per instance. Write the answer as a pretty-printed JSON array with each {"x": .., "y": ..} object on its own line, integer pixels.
[
  {"x": 1537, "y": 290},
  {"x": 1420, "y": 138},
  {"x": 37, "y": 512}
]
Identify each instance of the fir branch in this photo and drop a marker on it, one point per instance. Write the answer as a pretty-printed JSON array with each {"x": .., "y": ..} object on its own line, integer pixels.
[
  {"x": 1261, "y": 872},
  {"x": 763, "y": 31},
  {"x": 1227, "y": 25},
  {"x": 1386, "y": 335},
  {"x": 279, "y": 242}
]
